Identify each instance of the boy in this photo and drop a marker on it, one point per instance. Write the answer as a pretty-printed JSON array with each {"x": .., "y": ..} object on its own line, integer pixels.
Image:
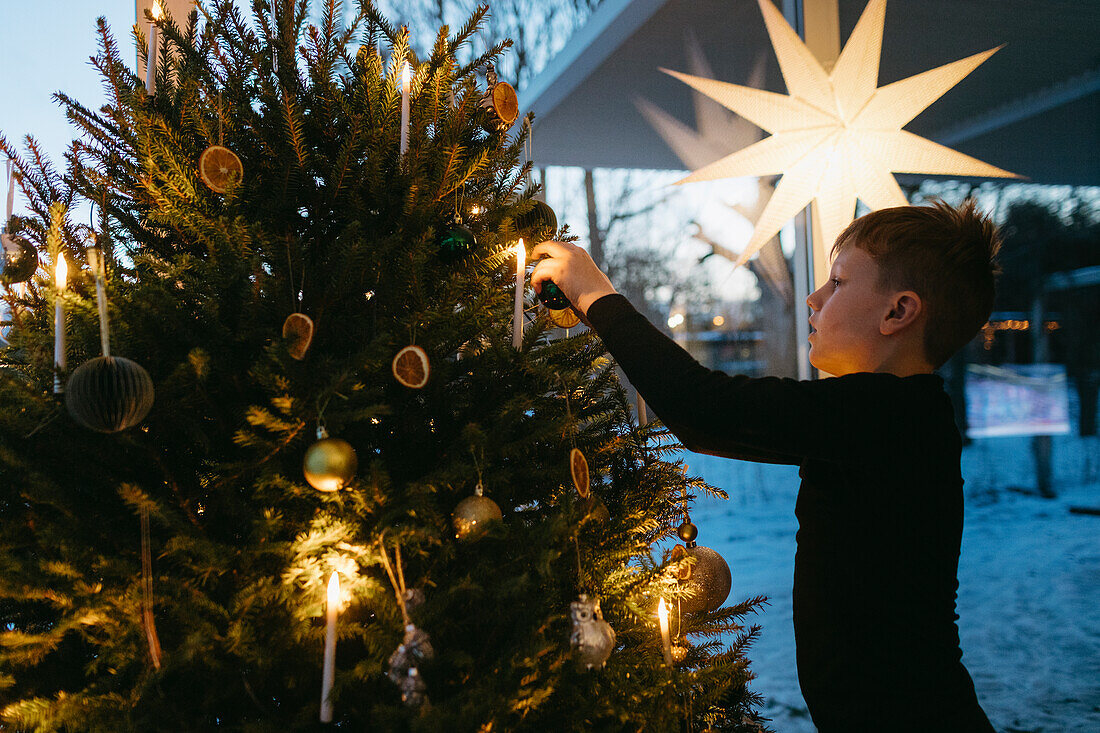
[{"x": 880, "y": 506}]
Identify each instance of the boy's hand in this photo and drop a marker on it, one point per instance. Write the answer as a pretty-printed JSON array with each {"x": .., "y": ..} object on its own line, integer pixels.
[{"x": 572, "y": 270}]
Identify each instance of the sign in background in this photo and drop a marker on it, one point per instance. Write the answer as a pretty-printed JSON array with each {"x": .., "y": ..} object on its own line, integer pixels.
[{"x": 1016, "y": 399}]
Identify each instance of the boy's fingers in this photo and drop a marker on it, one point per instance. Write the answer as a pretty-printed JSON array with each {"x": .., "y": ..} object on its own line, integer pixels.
[
  {"x": 543, "y": 271},
  {"x": 549, "y": 248}
]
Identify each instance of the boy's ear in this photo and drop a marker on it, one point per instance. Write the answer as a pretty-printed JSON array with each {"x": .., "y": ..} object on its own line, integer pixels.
[{"x": 905, "y": 309}]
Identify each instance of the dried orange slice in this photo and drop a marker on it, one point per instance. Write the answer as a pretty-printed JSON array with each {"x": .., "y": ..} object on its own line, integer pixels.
[
  {"x": 683, "y": 571},
  {"x": 564, "y": 318},
  {"x": 505, "y": 103},
  {"x": 578, "y": 468},
  {"x": 298, "y": 331},
  {"x": 410, "y": 367},
  {"x": 219, "y": 167}
]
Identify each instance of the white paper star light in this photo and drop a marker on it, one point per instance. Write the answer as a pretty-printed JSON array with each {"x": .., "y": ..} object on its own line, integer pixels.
[{"x": 837, "y": 136}]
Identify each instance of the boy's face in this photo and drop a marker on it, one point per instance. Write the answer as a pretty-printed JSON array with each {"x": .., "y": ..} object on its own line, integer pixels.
[{"x": 847, "y": 313}]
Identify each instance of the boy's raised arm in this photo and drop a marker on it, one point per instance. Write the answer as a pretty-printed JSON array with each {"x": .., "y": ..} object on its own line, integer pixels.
[{"x": 760, "y": 419}]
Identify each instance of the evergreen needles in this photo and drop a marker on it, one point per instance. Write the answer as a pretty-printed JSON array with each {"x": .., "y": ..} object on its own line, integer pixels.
[{"x": 329, "y": 222}]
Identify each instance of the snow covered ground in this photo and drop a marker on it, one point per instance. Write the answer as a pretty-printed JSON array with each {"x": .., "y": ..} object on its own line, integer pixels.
[{"x": 1029, "y": 575}]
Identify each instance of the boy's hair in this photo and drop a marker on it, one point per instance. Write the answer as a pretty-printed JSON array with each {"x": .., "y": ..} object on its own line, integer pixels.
[{"x": 943, "y": 254}]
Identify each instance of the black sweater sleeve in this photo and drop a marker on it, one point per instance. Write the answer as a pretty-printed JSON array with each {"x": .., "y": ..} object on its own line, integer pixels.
[{"x": 766, "y": 419}]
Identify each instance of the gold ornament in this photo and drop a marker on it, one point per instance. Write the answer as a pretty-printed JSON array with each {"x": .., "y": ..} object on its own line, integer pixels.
[
  {"x": 474, "y": 514},
  {"x": 679, "y": 653},
  {"x": 708, "y": 581},
  {"x": 330, "y": 463}
]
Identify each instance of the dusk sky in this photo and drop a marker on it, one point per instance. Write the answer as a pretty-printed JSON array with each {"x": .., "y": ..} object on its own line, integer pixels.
[{"x": 44, "y": 48}]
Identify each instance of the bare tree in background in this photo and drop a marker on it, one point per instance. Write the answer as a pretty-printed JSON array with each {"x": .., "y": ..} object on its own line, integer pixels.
[{"x": 538, "y": 28}]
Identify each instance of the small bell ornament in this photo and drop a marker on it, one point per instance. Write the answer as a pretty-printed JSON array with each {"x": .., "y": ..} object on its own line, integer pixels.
[
  {"x": 592, "y": 638},
  {"x": 474, "y": 514},
  {"x": 708, "y": 581},
  {"x": 330, "y": 463}
]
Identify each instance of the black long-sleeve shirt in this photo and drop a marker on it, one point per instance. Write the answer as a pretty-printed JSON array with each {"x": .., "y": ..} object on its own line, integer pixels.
[{"x": 879, "y": 512}]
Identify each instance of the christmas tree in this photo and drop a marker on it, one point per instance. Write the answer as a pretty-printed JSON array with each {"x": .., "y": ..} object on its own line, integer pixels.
[{"x": 351, "y": 497}]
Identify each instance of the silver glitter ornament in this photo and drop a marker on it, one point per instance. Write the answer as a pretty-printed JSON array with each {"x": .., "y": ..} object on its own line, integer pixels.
[
  {"x": 592, "y": 637},
  {"x": 413, "y": 689},
  {"x": 414, "y": 650},
  {"x": 708, "y": 581},
  {"x": 474, "y": 514}
]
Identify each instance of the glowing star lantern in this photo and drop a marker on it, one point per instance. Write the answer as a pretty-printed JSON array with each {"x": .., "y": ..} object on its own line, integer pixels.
[{"x": 836, "y": 136}]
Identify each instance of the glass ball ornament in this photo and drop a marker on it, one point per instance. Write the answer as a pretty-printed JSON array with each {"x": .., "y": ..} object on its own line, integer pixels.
[
  {"x": 707, "y": 582},
  {"x": 19, "y": 261},
  {"x": 109, "y": 393},
  {"x": 456, "y": 242},
  {"x": 539, "y": 218},
  {"x": 330, "y": 463},
  {"x": 687, "y": 532},
  {"x": 552, "y": 297},
  {"x": 474, "y": 514}
]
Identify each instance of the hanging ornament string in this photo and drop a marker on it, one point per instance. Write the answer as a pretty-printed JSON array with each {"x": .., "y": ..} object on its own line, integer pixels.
[
  {"x": 528, "y": 143},
  {"x": 221, "y": 131},
  {"x": 397, "y": 579},
  {"x": 147, "y": 589}
]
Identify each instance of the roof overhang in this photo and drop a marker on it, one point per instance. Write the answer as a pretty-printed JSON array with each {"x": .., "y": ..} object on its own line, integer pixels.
[{"x": 1033, "y": 108}]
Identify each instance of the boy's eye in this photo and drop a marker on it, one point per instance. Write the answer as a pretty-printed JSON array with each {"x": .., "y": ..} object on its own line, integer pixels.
[{"x": 835, "y": 281}]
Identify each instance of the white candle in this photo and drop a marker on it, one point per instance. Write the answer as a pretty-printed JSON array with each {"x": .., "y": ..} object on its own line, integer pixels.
[
  {"x": 666, "y": 642},
  {"x": 517, "y": 315},
  {"x": 406, "y": 81},
  {"x": 151, "y": 61},
  {"x": 11, "y": 194},
  {"x": 328, "y": 674},
  {"x": 61, "y": 273}
]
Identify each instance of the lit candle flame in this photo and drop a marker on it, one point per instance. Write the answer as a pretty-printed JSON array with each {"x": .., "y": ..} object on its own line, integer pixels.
[
  {"x": 406, "y": 75},
  {"x": 155, "y": 11},
  {"x": 334, "y": 591},
  {"x": 662, "y": 613},
  {"x": 61, "y": 274},
  {"x": 521, "y": 256}
]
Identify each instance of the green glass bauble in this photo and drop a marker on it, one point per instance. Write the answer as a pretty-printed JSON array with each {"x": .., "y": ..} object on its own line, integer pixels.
[
  {"x": 457, "y": 242},
  {"x": 552, "y": 296},
  {"x": 19, "y": 261}
]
